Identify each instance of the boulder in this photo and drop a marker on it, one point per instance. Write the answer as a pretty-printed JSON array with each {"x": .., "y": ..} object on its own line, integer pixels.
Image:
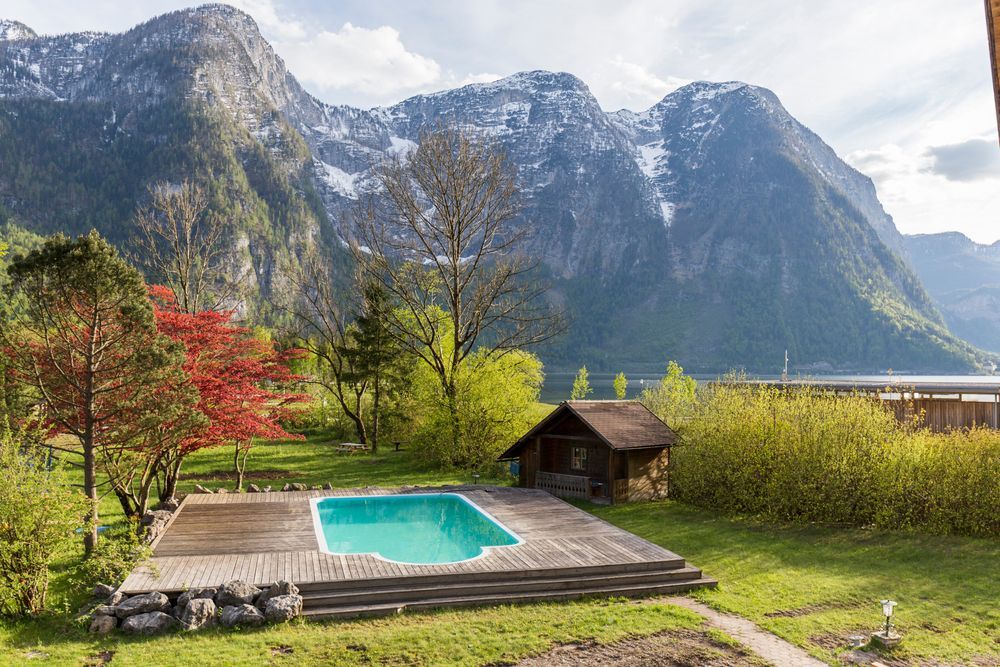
[
  {"x": 236, "y": 593},
  {"x": 155, "y": 522},
  {"x": 222, "y": 489},
  {"x": 198, "y": 488},
  {"x": 298, "y": 487},
  {"x": 116, "y": 599},
  {"x": 150, "y": 623},
  {"x": 282, "y": 608},
  {"x": 274, "y": 590},
  {"x": 195, "y": 594},
  {"x": 104, "y": 610},
  {"x": 102, "y": 625},
  {"x": 155, "y": 517},
  {"x": 103, "y": 591},
  {"x": 197, "y": 614},
  {"x": 170, "y": 505},
  {"x": 253, "y": 488},
  {"x": 315, "y": 487},
  {"x": 286, "y": 487},
  {"x": 143, "y": 604},
  {"x": 244, "y": 614},
  {"x": 328, "y": 487}
]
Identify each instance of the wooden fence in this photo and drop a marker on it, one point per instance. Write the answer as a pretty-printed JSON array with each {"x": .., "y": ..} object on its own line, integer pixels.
[
  {"x": 563, "y": 486},
  {"x": 939, "y": 414}
]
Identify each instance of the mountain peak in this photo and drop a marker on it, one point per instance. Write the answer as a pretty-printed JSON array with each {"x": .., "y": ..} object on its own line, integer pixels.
[
  {"x": 536, "y": 81},
  {"x": 11, "y": 30}
]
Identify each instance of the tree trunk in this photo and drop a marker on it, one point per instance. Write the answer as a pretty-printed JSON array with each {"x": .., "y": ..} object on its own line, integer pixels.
[
  {"x": 238, "y": 467},
  {"x": 170, "y": 474},
  {"x": 452, "y": 395},
  {"x": 375, "y": 401},
  {"x": 90, "y": 490}
]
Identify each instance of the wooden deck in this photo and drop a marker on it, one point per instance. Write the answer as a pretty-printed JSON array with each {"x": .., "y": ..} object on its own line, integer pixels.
[{"x": 265, "y": 537}]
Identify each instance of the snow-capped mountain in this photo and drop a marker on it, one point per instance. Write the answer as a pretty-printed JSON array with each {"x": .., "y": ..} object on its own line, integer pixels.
[{"x": 712, "y": 227}]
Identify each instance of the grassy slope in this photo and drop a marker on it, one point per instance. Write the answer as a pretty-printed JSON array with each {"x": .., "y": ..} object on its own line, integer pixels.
[{"x": 829, "y": 579}]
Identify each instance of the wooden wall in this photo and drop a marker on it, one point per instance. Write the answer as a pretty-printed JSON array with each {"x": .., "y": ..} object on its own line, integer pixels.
[
  {"x": 948, "y": 414},
  {"x": 647, "y": 474}
]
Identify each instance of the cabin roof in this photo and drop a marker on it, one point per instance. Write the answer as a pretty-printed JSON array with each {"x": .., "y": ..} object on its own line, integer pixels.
[{"x": 621, "y": 425}]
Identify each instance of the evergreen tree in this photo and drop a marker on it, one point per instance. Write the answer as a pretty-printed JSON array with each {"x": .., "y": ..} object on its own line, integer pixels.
[
  {"x": 376, "y": 359},
  {"x": 81, "y": 335}
]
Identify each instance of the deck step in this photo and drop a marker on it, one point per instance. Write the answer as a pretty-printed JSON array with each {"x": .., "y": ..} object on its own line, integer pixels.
[
  {"x": 491, "y": 576},
  {"x": 512, "y": 584},
  {"x": 390, "y": 608}
]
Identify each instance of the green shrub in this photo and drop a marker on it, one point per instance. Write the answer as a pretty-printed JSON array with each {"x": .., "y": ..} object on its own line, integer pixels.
[
  {"x": 117, "y": 553},
  {"x": 806, "y": 455},
  {"x": 39, "y": 512}
]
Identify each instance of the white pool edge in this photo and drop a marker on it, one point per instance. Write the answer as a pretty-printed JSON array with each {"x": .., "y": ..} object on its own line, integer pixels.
[{"x": 484, "y": 550}]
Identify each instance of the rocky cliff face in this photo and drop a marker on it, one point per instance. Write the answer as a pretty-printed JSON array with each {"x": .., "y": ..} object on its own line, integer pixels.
[
  {"x": 712, "y": 227},
  {"x": 963, "y": 277}
]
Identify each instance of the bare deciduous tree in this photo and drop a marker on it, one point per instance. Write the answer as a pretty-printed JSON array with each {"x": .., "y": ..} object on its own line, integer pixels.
[
  {"x": 439, "y": 236},
  {"x": 179, "y": 244},
  {"x": 321, "y": 328}
]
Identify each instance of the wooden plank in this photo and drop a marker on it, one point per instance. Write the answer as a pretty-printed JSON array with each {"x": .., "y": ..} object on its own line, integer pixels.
[{"x": 218, "y": 538}]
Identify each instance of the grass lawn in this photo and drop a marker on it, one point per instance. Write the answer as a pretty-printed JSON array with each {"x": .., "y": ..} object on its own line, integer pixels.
[
  {"x": 811, "y": 585},
  {"x": 816, "y": 586}
]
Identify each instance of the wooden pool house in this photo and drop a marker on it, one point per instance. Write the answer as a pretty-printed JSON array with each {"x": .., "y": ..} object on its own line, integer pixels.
[{"x": 605, "y": 451}]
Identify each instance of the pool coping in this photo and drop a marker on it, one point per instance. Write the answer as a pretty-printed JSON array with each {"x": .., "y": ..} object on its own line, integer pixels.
[{"x": 483, "y": 550}]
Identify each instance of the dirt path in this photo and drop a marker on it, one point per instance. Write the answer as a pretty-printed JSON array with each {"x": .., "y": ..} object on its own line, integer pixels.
[
  {"x": 684, "y": 648},
  {"x": 766, "y": 645},
  {"x": 687, "y": 648}
]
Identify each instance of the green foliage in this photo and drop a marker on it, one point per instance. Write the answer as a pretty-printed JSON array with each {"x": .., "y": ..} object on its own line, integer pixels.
[
  {"x": 621, "y": 386},
  {"x": 39, "y": 511},
  {"x": 581, "y": 386},
  {"x": 808, "y": 456},
  {"x": 495, "y": 397},
  {"x": 117, "y": 553},
  {"x": 672, "y": 400}
]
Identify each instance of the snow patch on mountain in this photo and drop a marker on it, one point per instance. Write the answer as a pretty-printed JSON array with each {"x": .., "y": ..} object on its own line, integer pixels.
[
  {"x": 650, "y": 157},
  {"x": 339, "y": 180},
  {"x": 12, "y": 30}
]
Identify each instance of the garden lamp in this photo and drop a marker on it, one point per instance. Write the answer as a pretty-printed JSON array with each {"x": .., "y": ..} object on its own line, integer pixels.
[{"x": 887, "y": 608}]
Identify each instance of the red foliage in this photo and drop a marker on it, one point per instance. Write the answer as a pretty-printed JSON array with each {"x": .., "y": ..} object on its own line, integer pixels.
[{"x": 237, "y": 376}]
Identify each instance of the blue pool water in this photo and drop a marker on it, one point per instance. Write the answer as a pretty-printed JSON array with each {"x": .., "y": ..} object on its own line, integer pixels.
[{"x": 423, "y": 529}]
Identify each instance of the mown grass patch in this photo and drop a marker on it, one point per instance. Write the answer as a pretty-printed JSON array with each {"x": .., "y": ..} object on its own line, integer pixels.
[
  {"x": 817, "y": 585},
  {"x": 496, "y": 635}
]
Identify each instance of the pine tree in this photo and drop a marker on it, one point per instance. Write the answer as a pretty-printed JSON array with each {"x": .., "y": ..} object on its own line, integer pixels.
[
  {"x": 80, "y": 334},
  {"x": 376, "y": 359}
]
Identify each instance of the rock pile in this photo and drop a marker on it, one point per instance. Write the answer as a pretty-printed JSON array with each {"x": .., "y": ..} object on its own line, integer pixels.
[{"x": 234, "y": 604}]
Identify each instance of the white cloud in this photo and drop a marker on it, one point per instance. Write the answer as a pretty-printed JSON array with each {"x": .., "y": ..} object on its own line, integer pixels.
[
  {"x": 265, "y": 13},
  {"x": 913, "y": 188},
  {"x": 373, "y": 61},
  {"x": 626, "y": 84},
  {"x": 483, "y": 77}
]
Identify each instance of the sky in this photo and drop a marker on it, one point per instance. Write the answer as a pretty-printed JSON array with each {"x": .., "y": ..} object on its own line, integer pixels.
[{"x": 899, "y": 88}]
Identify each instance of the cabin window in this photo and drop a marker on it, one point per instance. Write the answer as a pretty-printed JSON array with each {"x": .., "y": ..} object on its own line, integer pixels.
[{"x": 578, "y": 458}]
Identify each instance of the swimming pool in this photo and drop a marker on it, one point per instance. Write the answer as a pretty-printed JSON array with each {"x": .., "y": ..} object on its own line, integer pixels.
[{"x": 416, "y": 529}]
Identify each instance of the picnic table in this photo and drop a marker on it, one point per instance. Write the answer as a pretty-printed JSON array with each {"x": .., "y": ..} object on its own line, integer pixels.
[{"x": 351, "y": 447}]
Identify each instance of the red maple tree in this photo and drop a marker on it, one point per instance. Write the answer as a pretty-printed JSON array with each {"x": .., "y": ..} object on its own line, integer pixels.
[{"x": 241, "y": 380}]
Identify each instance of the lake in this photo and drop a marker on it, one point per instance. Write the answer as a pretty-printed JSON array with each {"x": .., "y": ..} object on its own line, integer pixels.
[{"x": 558, "y": 384}]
